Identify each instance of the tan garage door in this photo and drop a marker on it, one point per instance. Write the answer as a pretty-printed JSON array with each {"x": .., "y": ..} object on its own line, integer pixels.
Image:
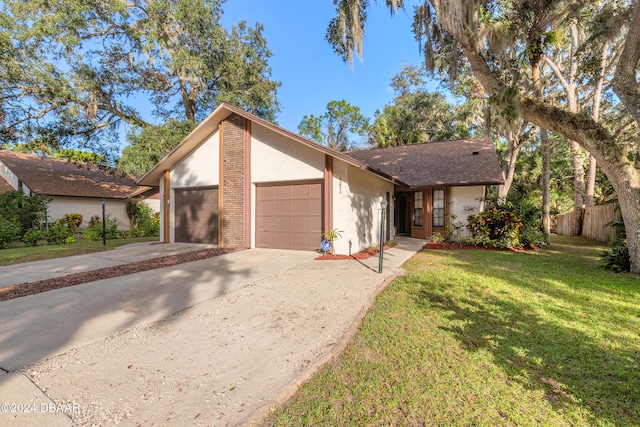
[
  {"x": 196, "y": 211},
  {"x": 289, "y": 216}
]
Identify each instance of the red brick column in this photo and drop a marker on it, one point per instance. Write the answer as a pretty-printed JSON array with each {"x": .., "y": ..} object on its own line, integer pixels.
[{"x": 233, "y": 188}]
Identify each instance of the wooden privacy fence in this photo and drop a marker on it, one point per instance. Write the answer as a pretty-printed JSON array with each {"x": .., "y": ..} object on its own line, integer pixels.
[{"x": 594, "y": 223}]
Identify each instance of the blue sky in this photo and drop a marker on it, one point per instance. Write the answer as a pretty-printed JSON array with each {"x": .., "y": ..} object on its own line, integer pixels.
[{"x": 310, "y": 72}]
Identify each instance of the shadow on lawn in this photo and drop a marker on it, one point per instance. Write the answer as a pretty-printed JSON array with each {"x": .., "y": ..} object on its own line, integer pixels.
[{"x": 533, "y": 347}]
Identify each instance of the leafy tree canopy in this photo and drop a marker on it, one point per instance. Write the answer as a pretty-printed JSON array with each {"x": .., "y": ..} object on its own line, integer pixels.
[
  {"x": 73, "y": 71},
  {"x": 149, "y": 144},
  {"x": 417, "y": 116},
  {"x": 337, "y": 128}
]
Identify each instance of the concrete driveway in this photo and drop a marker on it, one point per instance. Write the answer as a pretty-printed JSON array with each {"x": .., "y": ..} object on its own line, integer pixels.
[{"x": 210, "y": 342}]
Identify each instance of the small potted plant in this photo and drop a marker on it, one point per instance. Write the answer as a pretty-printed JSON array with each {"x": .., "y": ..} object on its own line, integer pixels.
[{"x": 332, "y": 235}]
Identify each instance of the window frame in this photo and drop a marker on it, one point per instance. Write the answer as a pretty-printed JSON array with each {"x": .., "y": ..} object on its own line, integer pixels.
[{"x": 438, "y": 213}]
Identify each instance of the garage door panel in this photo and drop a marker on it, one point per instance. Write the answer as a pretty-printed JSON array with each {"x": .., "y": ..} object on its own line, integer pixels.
[
  {"x": 296, "y": 219},
  {"x": 282, "y": 192},
  {"x": 301, "y": 206},
  {"x": 282, "y": 207},
  {"x": 196, "y": 213},
  {"x": 300, "y": 192},
  {"x": 300, "y": 223}
]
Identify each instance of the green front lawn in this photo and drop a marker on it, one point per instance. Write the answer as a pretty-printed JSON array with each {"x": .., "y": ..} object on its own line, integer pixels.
[
  {"x": 19, "y": 253},
  {"x": 489, "y": 338}
]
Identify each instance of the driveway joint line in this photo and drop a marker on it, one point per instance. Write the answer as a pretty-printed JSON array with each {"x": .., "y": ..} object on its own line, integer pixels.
[{"x": 43, "y": 393}]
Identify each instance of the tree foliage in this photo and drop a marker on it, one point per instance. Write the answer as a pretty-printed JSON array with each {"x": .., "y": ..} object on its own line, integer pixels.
[
  {"x": 504, "y": 43},
  {"x": 417, "y": 116},
  {"x": 73, "y": 71},
  {"x": 19, "y": 214},
  {"x": 337, "y": 128},
  {"x": 149, "y": 144}
]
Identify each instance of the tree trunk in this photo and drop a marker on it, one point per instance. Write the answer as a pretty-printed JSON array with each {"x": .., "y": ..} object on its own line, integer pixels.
[
  {"x": 575, "y": 227},
  {"x": 508, "y": 167},
  {"x": 628, "y": 193},
  {"x": 591, "y": 182},
  {"x": 597, "y": 100},
  {"x": 535, "y": 61},
  {"x": 546, "y": 185}
]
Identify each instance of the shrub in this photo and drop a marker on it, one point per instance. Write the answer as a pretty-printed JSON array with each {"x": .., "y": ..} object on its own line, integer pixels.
[
  {"x": 72, "y": 220},
  {"x": 94, "y": 230},
  {"x": 452, "y": 228},
  {"x": 437, "y": 238},
  {"x": 497, "y": 225},
  {"x": 59, "y": 233},
  {"x": 143, "y": 220},
  {"x": 9, "y": 231},
  {"x": 31, "y": 237},
  {"x": 94, "y": 221},
  {"x": 617, "y": 257},
  {"x": 25, "y": 212}
]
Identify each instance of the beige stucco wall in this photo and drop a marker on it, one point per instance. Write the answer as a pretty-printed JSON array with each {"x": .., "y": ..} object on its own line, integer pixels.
[
  {"x": 88, "y": 207},
  {"x": 154, "y": 204},
  {"x": 277, "y": 158},
  {"x": 356, "y": 204},
  {"x": 201, "y": 167},
  {"x": 465, "y": 201}
]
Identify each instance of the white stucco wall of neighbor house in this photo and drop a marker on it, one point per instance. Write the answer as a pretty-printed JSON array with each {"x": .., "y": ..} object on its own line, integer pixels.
[
  {"x": 465, "y": 201},
  {"x": 154, "y": 204},
  {"x": 201, "y": 167},
  {"x": 357, "y": 195},
  {"x": 275, "y": 157},
  {"x": 88, "y": 207},
  {"x": 8, "y": 175}
]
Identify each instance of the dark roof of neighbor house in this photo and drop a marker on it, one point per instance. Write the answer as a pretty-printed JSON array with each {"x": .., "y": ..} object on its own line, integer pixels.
[
  {"x": 57, "y": 177},
  {"x": 210, "y": 124},
  {"x": 463, "y": 162}
]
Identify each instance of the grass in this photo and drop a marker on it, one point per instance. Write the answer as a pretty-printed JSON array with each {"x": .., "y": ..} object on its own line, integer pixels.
[
  {"x": 488, "y": 338},
  {"x": 20, "y": 254}
]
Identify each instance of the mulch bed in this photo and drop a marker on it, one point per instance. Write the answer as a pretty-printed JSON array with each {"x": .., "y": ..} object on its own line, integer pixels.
[
  {"x": 31, "y": 288},
  {"x": 451, "y": 246},
  {"x": 367, "y": 253},
  {"x": 454, "y": 246}
]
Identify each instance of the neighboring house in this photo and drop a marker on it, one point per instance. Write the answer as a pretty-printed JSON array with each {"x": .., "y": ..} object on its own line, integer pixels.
[
  {"x": 238, "y": 180},
  {"x": 73, "y": 187}
]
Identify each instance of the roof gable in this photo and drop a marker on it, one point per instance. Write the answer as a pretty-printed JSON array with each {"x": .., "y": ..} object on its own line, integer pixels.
[
  {"x": 211, "y": 123},
  {"x": 57, "y": 177},
  {"x": 446, "y": 163}
]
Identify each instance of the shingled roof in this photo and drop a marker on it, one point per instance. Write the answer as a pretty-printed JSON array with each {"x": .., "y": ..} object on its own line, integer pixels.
[
  {"x": 56, "y": 177},
  {"x": 463, "y": 162}
]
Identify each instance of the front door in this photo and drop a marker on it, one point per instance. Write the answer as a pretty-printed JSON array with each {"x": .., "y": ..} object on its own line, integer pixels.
[{"x": 404, "y": 207}]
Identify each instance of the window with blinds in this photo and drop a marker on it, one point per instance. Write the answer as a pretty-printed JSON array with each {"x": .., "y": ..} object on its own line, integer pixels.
[
  {"x": 417, "y": 209},
  {"x": 438, "y": 208}
]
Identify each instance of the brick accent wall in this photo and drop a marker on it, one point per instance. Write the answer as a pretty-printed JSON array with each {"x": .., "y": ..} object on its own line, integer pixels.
[{"x": 233, "y": 220}]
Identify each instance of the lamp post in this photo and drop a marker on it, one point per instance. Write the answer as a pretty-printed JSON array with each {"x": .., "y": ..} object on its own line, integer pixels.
[
  {"x": 104, "y": 226},
  {"x": 383, "y": 211}
]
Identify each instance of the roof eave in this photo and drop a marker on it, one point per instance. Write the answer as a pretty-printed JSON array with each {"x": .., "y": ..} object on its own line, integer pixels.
[{"x": 210, "y": 124}]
